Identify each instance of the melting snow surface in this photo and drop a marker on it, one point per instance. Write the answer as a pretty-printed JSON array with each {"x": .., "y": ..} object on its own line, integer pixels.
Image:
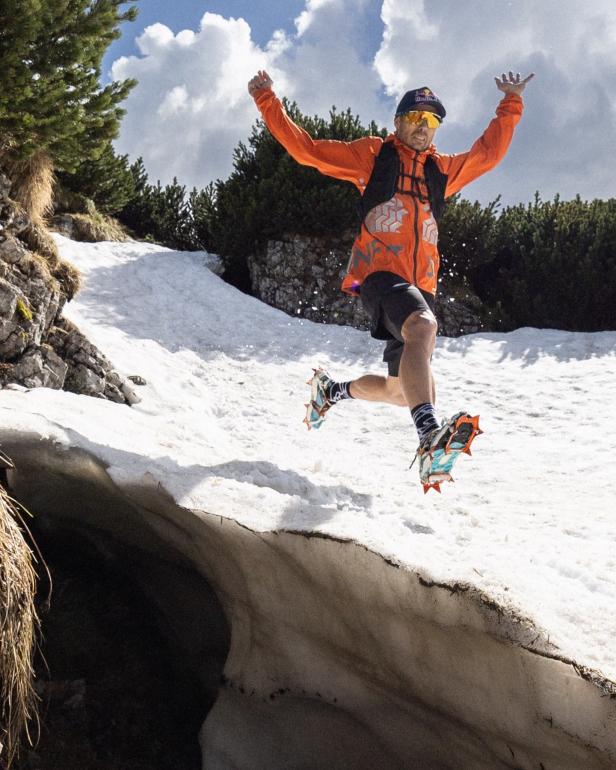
[{"x": 531, "y": 519}]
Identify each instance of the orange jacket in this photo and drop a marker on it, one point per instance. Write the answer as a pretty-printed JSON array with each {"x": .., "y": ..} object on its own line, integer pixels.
[{"x": 401, "y": 235}]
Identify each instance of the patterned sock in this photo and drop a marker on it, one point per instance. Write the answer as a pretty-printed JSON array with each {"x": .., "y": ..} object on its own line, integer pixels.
[
  {"x": 338, "y": 391},
  {"x": 425, "y": 420}
]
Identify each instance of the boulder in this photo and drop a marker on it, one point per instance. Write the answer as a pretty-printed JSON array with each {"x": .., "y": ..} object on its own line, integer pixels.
[{"x": 38, "y": 347}]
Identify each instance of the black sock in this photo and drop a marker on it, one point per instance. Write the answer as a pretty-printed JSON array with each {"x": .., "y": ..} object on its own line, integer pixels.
[
  {"x": 425, "y": 420},
  {"x": 338, "y": 391}
]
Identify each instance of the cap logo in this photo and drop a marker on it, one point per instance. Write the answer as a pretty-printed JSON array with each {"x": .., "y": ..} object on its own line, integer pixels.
[{"x": 425, "y": 95}]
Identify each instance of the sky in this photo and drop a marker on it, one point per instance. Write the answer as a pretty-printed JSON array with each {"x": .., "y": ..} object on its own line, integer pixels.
[
  {"x": 530, "y": 517},
  {"x": 193, "y": 60}
]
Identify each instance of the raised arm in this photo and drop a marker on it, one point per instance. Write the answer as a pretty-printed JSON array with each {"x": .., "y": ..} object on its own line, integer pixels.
[
  {"x": 513, "y": 84},
  {"x": 350, "y": 161},
  {"x": 260, "y": 81},
  {"x": 493, "y": 144}
]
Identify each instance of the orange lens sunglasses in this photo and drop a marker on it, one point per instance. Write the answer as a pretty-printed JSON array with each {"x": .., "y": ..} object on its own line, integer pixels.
[{"x": 416, "y": 116}]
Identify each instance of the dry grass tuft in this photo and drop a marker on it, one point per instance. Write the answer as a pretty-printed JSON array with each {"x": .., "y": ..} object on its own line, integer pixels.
[
  {"x": 18, "y": 631},
  {"x": 33, "y": 181},
  {"x": 69, "y": 278},
  {"x": 32, "y": 193},
  {"x": 96, "y": 227},
  {"x": 38, "y": 239}
]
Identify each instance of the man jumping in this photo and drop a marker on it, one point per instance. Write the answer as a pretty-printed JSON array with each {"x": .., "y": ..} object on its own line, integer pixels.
[{"x": 394, "y": 261}]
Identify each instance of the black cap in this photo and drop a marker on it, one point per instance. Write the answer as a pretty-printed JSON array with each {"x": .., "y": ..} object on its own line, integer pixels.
[{"x": 419, "y": 98}]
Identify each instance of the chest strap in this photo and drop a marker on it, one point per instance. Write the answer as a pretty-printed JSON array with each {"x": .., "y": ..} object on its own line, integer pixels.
[{"x": 383, "y": 182}]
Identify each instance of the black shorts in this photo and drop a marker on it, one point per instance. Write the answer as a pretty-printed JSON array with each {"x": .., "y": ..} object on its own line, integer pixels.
[{"x": 389, "y": 300}]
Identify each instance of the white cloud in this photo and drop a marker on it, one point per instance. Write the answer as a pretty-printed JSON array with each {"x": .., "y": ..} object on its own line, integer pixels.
[
  {"x": 559, "y": 146},
  {"x": 191, "y": 107},
  {"x": 307, "y": 17},
  {"x": 154, "y": 39},
  {"x": 443, "y": 46},
  {"x": 329, "y": 61}
]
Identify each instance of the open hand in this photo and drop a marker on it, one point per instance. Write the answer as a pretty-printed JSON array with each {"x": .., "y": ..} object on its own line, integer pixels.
[
  {"x": 512, "y": 84},
  {"x": 260, "y": 80}
]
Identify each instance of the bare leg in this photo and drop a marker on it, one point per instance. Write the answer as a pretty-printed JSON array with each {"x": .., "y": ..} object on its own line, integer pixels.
[
  {"x": 416, "y": 380},
  {"x": 415, "y": 385},
  {"x": 373, "y": 387}
]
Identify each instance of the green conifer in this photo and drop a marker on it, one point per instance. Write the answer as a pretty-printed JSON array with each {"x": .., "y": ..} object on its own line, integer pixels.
[
  {"x": 107, "y": 181},
  {"x": 51, "y": 100}
]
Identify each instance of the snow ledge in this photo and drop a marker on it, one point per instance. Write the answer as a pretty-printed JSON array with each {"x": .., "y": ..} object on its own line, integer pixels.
[{"x": 340, "y": 657}]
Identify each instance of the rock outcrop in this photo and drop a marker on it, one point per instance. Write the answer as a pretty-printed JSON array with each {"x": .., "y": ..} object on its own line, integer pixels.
[
  {"x": 302, "y": 275},
  {"x": 38, "y": 347}
]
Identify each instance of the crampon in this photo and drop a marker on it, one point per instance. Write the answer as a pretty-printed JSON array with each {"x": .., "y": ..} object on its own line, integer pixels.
[
  {"x": 439, "y": 454},
  {"x": 319, "y": 404}
]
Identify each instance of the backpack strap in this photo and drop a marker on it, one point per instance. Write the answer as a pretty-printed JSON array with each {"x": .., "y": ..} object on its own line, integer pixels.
[
  {"x": 436, "y": 182},
  {"x": 383, "y": 182},
  {"x": 381, "y": 186}
]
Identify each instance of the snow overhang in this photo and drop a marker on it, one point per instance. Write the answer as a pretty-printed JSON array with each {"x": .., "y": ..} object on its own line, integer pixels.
[{"x": 339, "y": 657}]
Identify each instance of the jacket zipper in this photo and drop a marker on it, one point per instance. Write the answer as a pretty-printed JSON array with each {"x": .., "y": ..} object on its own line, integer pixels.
[{"x": 415, "y": 225}]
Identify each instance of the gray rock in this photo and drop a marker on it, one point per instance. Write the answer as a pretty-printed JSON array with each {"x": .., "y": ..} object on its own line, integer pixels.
[
  {"x": 89, "y": 371},
  {"x": 38, "y": 347},
  {"x": 458, "y": 311},
  {"x": 12, "y": 250},
  {"x": 64, "y": 224},
  {"x": 28, "y": 303},
  {"x": 20, "y": 223},
  {"x": 6, "y": 216},
  {"x": 302, "y": 276},
  {"x": 40, "y": 368},
  {"x": 130, "y": 395},
  {"x": 5, "y": 185},
  {"x": 81, "y": 379},
  {"x": 8, "y": 299}
]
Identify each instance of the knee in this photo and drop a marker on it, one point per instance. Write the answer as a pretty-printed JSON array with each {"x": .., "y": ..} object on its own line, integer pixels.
[{"x": 420, "y": 326}]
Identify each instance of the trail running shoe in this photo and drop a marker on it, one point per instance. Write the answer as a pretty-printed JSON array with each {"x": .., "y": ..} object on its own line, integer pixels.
[
  {"x": 438, "y": 454},
  {"x": 319, "y": 403}
]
